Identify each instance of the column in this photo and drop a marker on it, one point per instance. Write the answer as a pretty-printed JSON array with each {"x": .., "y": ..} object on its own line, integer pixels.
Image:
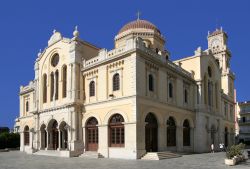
[
  {"x": 21, "y": 141},
  {"x": 192, "y": 138},
  {"x": 179, "y": 138},
  {"x": 47, "y": 147},
  {"x": 59, "y": 140},
  {"x": 162, "y": 137}
]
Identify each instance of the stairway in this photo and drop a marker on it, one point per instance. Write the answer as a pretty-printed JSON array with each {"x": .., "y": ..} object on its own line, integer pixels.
[
  {"x": 159, "y": 155},
  {"x": 91, "y": 154},
  {"x": 55, "y": 153}
]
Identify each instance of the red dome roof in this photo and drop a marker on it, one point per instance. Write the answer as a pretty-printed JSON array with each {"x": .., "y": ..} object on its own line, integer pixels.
[{"x": 139, "y": 24}]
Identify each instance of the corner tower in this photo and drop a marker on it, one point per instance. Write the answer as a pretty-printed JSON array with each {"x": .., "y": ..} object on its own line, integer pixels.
[{"x": 217, "y": 44}]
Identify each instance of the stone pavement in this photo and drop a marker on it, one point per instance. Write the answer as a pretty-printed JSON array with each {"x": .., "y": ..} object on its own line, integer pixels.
[{"x": 19, "y": 160}]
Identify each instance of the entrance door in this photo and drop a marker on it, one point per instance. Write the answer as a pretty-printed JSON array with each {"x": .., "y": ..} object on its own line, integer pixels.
[
  {"x": 92, "y": 134},
  {"x": 92, "y": 138},
  {"x": 151, "y": 133}
]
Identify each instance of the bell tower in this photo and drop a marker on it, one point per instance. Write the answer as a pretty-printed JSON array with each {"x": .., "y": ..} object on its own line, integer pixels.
[{"x": 217, "y": 44}]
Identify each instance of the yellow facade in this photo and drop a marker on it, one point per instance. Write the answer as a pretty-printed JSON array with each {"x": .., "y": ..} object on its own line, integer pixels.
[{"x": 128, "y": 101}]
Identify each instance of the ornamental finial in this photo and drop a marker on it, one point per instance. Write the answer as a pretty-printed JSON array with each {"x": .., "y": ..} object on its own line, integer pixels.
[
  {"x": 76, "y": 32},
  {"x": 54, "y": 31}
]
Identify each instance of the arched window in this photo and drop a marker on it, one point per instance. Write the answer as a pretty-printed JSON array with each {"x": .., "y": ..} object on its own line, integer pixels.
[
  {"x": 26, "y": 133},
  {"x": 57, "y": 85},
  {"x": 185, "y": 96},
  {"x": 150, "y": 82},
  {"x": 64, "y": 80},
  {"x": 116, "y": 131},
  {"x": 170, "y": 90},
  {"x": 116, "y": 82},
  {"x": 186, "y": 133},
  {"x": 44, "y": 88},
  {"x": 92, "y": 88},
  {"x": 51, "y": 86},
  {"x": 27, "y": 106},
  {"x": 171, "y": 132},
  {"x": 209, "y": 70}
]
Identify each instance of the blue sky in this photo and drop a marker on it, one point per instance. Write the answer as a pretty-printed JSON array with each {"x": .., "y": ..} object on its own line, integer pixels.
[{"x": 25, "y": 27}]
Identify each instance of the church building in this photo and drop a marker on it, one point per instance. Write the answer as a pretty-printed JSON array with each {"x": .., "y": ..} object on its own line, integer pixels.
[{"x": 129, "y": 101}]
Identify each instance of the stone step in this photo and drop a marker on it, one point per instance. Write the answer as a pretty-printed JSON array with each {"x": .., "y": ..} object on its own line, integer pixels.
[
  {"x": 91, "y": 154},
  {"x": 55, "y": 153},
  {"x": 159, "y": 155}
]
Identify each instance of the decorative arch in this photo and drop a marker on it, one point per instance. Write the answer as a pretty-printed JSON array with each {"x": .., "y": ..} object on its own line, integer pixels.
[
  {"x": 159, "y": 117},
  {"x": 112, "y": 112},
  {"x": 88, "y": 116}
]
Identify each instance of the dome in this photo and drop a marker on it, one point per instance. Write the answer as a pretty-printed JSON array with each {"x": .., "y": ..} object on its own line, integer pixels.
[{"x": 141, "y": 24}]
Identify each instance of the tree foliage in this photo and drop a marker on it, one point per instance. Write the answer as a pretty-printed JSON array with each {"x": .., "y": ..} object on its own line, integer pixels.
[
  {"x": 235, "y": 150},
  {"x": 9, "y": 140}
]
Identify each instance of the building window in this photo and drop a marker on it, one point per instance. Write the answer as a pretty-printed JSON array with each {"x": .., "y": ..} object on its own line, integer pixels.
[
  {"x": 27, "y": 106},
  {"x": 26, "y": 136},
  {"x": 150, "y": 82},
  {"x": 92, "y": 88},
  {"x": 51, "y": 86},
  {"x": 44, "y": 88},
  {"x": 185, "y": 96},
  {"x": 209, "y": 70},
  {"x": 171, "y": 132},
  {"x": 186, "y": 133},
  {"x": 243, "y": 119},
  {"x": 57, "y": 85},
  {"x": 64, "y": 80},
  {"x": 116, "y": 82},
  {"x": 170, "y": 90},
  {"x": 116, "y": 131},
  {"x": 55, "y": 60}
]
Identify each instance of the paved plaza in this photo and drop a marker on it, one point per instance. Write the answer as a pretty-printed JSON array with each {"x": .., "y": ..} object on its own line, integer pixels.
[{"x": 19, "y": 160}]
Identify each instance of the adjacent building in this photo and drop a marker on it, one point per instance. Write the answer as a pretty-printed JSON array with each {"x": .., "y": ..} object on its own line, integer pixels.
[
  {"x": 128, "y": 101},
  {"x": 244, "y": 122}
]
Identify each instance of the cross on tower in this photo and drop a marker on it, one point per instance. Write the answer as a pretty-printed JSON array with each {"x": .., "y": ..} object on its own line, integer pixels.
[{"x": 138, "y": 15}]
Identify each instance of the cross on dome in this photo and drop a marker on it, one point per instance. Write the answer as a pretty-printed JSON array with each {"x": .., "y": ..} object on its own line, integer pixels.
[{"x": 138, "y": 15}]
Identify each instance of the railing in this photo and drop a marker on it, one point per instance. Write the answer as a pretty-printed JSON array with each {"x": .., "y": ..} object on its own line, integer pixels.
[{"x": 132, "y": 44}]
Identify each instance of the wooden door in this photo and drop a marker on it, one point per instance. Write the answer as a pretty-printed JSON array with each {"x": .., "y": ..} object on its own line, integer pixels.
[
  {"x": 92, "y": 138},
  {"x": 151, "y": 141}
]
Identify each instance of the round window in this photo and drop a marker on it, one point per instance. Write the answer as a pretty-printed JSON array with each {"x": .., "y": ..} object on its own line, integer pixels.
[{"x": 55, "y": 60}]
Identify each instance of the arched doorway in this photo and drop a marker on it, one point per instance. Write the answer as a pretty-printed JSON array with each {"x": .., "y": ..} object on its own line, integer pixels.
[
  {"x": 151, "y": 133},
  {"x": 226, "y": 137},
  {"x": 92, "y": 134},
  {"x": 54, "y": 132},
  {"x": 171, "y": 132},
  {"x": 43, "y": 137},
  {"x": 186, "y": 133},
  {"x": 26, "y": 135},
  {"x": 63, "y": 135}
]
